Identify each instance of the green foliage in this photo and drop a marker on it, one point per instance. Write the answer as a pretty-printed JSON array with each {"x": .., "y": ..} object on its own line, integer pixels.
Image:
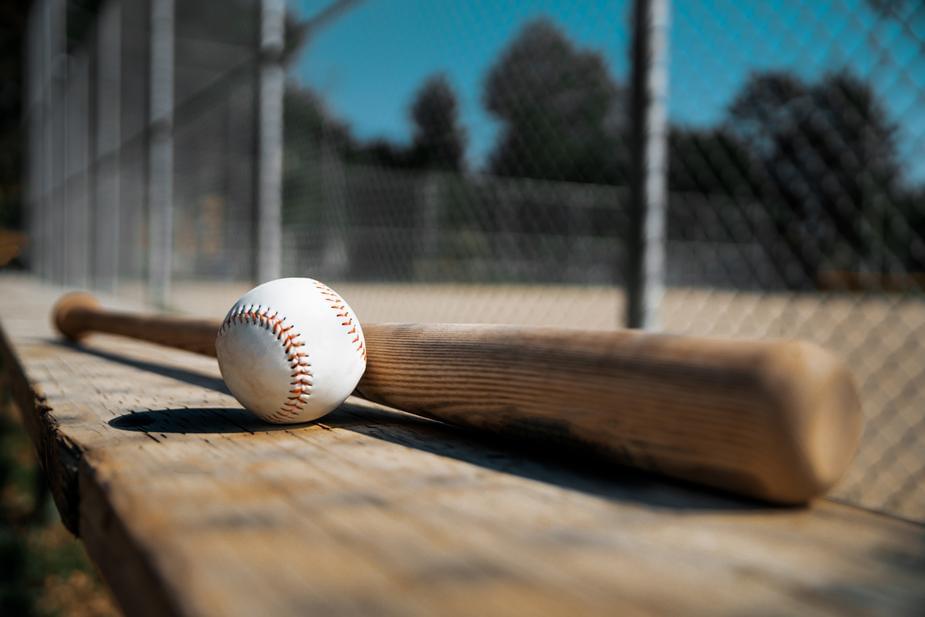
[
  {"x": 710, "y": 161},
  {"x": 809, "y": 169},
  {"x": 380, "y": 152},
  {"x": 313, "y": 136},
  {"x": 439, "y": 141},
  {"x": 825, "y": 164},
  {"x": 561, "y": 112},
  {"x": 904, "y": 230},
  {"x": 897, "y": 9}
]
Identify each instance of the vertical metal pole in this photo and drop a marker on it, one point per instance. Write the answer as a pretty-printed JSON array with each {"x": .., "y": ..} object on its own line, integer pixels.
[
  {"x": 268, "y": 249},
  {"x": 429, "y": 213},
  {"x": 648, "y": 178},
  {"x": 336, "y": 260},
  {"x": 78, "y": 223},
  {"x": 50, "y": 95},
  {"x": 31, "y": 105},
  {"x": 68, "y": 216},
  {"x": 43, "y": 212},
  {"x": 57, "y": 138},
  {"x": 160, "y": 152},
  {"x": 108, "y": 110}
]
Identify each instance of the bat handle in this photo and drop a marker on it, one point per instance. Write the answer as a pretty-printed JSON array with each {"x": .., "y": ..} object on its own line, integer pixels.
[{"x": 78, "y": 314}]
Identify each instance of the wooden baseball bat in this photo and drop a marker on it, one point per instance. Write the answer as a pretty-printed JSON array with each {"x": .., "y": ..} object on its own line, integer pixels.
[{"x": 774, "y": 420}]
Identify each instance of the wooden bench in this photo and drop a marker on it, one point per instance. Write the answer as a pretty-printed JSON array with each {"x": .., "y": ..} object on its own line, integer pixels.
[{"x": 189, "y": 506}]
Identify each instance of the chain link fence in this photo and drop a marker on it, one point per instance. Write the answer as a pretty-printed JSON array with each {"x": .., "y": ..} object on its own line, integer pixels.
[
  {"x": 813, "y": 188},
  {"x": 474, "y": 162}
]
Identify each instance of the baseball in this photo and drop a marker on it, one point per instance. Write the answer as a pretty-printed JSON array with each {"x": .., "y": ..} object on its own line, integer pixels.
[{"x": 291, "y": 350}]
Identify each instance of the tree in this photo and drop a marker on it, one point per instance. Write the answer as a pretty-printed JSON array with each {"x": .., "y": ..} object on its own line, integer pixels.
[
  {"x": 905, "y": 230},
  {"x": 439, "y": 141},
  {"x": 380, "y": 152},
  {"x": 709, "y": 180},
  {"x": 710, "y": 161},
  {"x": 313, "y": 136},
  {"x": 559, "y": 107},
  {"x": 307, "y": 116},
  {"x": 901, "y": 10},
  {"x": 828, "y": 163}
]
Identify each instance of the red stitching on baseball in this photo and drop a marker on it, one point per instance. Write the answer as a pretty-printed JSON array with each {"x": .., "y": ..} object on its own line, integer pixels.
[
  {"x": 301, "y": 376},
  {"x": 340, "y": 308}
]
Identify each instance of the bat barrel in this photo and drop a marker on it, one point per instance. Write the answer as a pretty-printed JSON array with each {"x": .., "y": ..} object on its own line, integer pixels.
[
  {"x": 71, "y": 314},
  {"x": 776, "y": 420}
]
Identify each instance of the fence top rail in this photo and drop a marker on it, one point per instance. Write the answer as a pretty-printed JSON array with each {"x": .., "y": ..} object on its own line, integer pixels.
[{"x": 190, "y": 506}]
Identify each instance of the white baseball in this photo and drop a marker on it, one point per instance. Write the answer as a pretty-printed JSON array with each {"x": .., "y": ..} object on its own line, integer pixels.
[{"x": 291, "y": 350}]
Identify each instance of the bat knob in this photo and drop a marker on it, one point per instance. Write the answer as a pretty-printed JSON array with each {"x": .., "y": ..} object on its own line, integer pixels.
[{"x": 67, "y": 310}]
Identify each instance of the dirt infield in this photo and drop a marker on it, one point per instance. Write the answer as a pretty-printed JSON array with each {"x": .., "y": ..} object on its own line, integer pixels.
[{"x": 881, "y": 337}]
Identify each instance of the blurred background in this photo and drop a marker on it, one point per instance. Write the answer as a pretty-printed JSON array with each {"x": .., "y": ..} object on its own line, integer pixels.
[{"x": 724, "y": 168}]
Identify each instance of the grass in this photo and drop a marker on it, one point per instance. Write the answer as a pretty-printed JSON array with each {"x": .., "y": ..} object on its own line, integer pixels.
[{"x": 44, "y": 571}]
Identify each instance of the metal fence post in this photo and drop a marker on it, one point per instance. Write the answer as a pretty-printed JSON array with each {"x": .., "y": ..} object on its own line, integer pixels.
[
  {"x": 32, "y": 102},
  {"x": 648, "y": 178},
  {"x": 76, "y": 218},
  {"x": 44, "y": 136},
  {"x": 160, "y": 151},
  {"x": 56, "y": 137},
  {"x": 268, "y": 246},
  {"x": 430, "y": 196},
  {"x": 108, "y": 114}
]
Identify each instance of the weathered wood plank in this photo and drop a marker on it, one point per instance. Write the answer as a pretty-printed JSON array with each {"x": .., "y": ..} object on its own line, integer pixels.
[{"x": 191, "y": 507}]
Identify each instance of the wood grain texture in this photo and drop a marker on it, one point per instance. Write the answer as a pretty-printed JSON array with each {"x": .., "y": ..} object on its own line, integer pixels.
[
  {"x": 775, "y": 420},
  {"x": 190, "y": 506}
]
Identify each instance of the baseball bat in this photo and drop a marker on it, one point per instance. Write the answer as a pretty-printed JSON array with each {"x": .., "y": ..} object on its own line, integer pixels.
[{"x": 770, "y": 419}]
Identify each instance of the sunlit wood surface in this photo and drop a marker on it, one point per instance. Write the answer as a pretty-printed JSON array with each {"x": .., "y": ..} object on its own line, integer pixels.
[{"x": 190, "y": 506}]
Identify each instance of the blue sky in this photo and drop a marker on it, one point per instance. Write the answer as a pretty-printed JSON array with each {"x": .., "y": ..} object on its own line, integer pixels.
[{"x": 368, "y": 63}]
